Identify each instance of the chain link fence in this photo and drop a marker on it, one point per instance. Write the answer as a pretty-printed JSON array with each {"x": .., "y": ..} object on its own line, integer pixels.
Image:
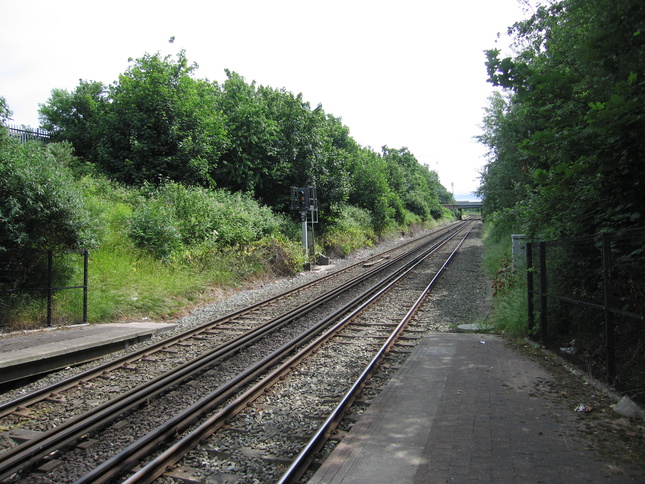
[{"x": 587, "y": 302}]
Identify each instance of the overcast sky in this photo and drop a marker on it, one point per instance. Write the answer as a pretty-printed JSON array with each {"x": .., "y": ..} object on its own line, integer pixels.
[{"x": 401, "y": 73}]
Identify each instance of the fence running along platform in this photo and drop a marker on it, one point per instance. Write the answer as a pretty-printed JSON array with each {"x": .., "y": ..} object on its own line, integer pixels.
[{"x": 586, "y": 300}]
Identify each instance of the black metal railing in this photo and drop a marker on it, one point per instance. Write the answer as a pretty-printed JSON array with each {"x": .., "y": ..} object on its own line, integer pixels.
[
  {"x": 30, "y": 280},
  {"x": 586, "y": 300},
  {"x": 26, "y": 133}
]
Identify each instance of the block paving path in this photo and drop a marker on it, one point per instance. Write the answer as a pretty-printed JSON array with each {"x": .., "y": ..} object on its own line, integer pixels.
[{"x": 468, "y": 408}]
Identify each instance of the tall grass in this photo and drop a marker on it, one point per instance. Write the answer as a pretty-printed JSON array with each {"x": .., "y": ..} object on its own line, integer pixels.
[
  {"x": 134, "y": 285},
  {"x": 131, "y": 280},
  {"x": 509, "y": 312},
  {"x": 130, "y": 284}
]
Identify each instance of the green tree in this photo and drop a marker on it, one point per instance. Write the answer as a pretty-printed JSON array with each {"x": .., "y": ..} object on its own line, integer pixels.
[
  {"x": 75, "y": 116},
  {"x": 278, "y": 141},
  {"x": 371, "y": 190},
  {"x": 574, "y": 122},
  {"x": 156, "y": 122},
  {"x": 159, "y": 123},
  {"x": 432, "y": 177},
  {"x": 252, "y": 151},
  {"x": 504, "y": 181},
  {"x": 329, "y": 167},
  {"x": 412, "y": 183}
]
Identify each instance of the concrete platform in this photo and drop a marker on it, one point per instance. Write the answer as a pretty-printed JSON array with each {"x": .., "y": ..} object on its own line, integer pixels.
[
  {"x": 463, "y": 408},
  {"x": 28, "y": 354}
]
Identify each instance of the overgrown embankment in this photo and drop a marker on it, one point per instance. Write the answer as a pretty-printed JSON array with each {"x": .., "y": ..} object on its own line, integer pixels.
[{"x": 155, "y": 251}]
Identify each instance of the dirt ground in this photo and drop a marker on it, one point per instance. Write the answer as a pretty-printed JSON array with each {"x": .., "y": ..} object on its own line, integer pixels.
[{"x": 617, "y": 439}]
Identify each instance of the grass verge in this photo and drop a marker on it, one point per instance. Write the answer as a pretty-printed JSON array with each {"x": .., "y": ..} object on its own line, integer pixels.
[{"x": 510, "y": 307}]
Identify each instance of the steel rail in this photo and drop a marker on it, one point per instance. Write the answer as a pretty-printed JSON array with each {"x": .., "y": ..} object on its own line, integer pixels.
[
  {"x": 37, "y": 395},
  {"x": 69, "y": 431},
  {"x": 304, "y": 458},
  {"x": 129, "y": 457}
]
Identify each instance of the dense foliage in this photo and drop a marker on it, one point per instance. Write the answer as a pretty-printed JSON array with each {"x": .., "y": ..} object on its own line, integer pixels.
[
  {"x": 41, "y": 206},
  {"x": 173, "y": 220},
  {"x": 566, "y": 131},
  {"x": 179, "y": 183},
  {"x": 159, "y": 123}
]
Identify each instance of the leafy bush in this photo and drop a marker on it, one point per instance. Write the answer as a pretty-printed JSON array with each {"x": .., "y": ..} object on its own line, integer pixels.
[
  {"x": 40, "y": 209},
  {"x": 352, "y": 230},
  {"x": 231, "y": 219},
  {"x": 280, "y": 255},
  {"x": 41, "y": 206},
  {"x": 154, "y": 228},
  {"x": 172, "y": 220}
]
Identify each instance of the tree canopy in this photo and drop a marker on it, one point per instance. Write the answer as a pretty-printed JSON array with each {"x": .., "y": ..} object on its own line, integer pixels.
[
  {"x": 159, "y": 123},
  {"x": 566, "y": 130}
]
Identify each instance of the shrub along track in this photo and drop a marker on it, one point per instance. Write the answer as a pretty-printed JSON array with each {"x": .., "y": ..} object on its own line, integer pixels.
[{"x": 215, "y": 379}]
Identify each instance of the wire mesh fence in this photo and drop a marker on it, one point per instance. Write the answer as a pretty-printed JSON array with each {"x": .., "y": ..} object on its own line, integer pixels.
[{"x": 587, "y": 302}]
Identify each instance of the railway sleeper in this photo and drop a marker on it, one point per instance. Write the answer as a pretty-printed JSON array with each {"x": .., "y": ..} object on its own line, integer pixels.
[
  {"x": 375, "y": 324},
  {"x": 49, "y": 466},
  {"x": 190, "y": 475},
  {"x": 19, "y": 435}
]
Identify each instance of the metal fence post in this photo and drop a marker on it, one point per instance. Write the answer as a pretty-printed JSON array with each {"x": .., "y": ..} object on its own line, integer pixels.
[
  {"x": 543, "y": 294},
  {"x": 50, "y": 284},
  {"x": 610, "y": 337},
  {"x": 86, "y": 256},
  {"x": 529, "y": 284}
]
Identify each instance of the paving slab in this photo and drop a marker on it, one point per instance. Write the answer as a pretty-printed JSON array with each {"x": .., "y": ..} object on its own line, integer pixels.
[
  {"x": 461, "y": 409},
  {"x": 36, "y": 352}
]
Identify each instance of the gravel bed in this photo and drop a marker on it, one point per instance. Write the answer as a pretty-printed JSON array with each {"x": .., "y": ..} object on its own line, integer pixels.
[
  {"x": 228, "y": 301},
  {"x": 259, "y": 442},
  {"x": 119, "y": 437}
]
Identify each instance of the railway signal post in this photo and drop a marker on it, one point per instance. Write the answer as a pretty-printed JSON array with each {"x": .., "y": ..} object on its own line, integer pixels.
[{"x": 304, "y": 201}]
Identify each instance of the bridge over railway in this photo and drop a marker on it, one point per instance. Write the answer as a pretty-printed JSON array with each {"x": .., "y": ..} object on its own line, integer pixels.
[{"x": 464, "y": 205}]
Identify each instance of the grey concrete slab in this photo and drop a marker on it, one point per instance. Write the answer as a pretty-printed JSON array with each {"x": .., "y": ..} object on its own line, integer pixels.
[
  {"x": 36, "y": 352},
  {"x": 463, "y": 409},
  {"x": 394, "y": 430}
]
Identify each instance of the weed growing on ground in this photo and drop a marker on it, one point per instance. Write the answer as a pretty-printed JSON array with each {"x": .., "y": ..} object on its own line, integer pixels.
[{"x": 510, "y": 307}]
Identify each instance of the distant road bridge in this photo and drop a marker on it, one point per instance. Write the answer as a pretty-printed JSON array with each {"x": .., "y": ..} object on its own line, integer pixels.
[{"x": 464, "y": 205}]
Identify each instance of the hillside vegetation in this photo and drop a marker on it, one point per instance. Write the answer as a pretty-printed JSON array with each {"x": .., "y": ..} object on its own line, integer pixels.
[
  {"x": 180, "y": 187},
  {"x": 566, "y": 129},
  {"x": 566, "y": 137}
]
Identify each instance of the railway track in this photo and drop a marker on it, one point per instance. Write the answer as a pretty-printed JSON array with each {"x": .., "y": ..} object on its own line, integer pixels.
[
  {"x": 220, "y": 374},
  {"x": 353, "y": 348},
  {"x": 134, "y": 368}
]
